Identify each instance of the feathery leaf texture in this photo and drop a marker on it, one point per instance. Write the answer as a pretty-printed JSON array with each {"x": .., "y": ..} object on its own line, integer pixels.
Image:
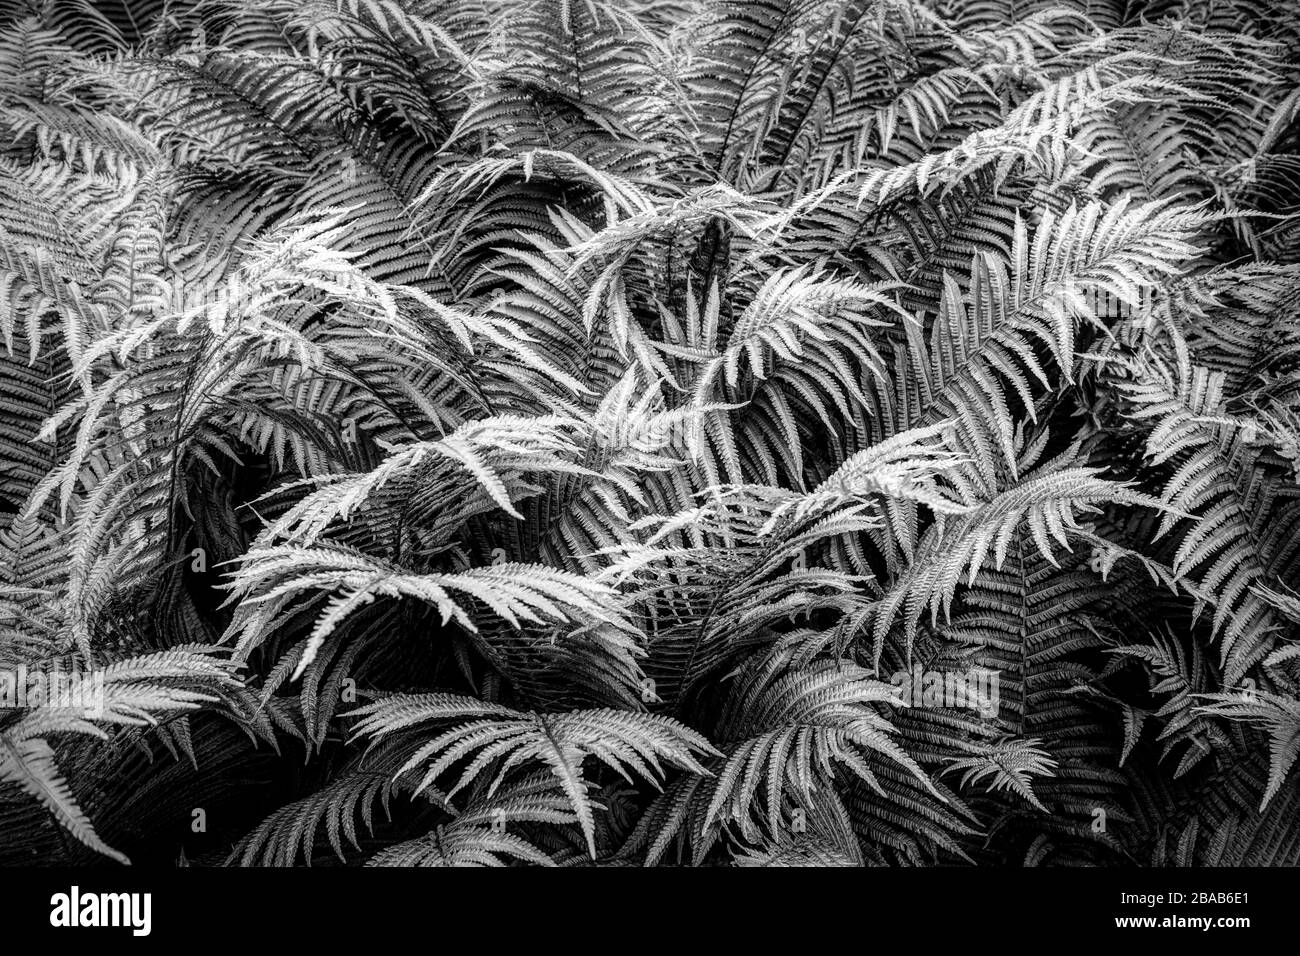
[{"x": 762, "y": 433}]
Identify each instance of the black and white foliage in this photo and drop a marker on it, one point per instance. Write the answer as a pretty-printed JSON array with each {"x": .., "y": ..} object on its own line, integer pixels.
[{"x": 621, "y": 432}]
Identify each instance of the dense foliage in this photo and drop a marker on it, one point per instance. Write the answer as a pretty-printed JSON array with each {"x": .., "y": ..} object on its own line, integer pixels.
[{"x": 624, "y": 431}]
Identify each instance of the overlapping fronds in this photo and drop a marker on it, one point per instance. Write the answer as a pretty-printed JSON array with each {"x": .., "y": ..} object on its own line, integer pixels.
[{"x": 792, "y": 432}]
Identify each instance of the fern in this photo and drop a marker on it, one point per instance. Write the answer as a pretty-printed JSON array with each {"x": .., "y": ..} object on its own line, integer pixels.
[{"x": 563, "y": 424}]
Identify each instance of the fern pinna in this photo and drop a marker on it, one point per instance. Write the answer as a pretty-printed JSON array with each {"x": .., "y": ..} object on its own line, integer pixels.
[{"x": 640, "y": 432}]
